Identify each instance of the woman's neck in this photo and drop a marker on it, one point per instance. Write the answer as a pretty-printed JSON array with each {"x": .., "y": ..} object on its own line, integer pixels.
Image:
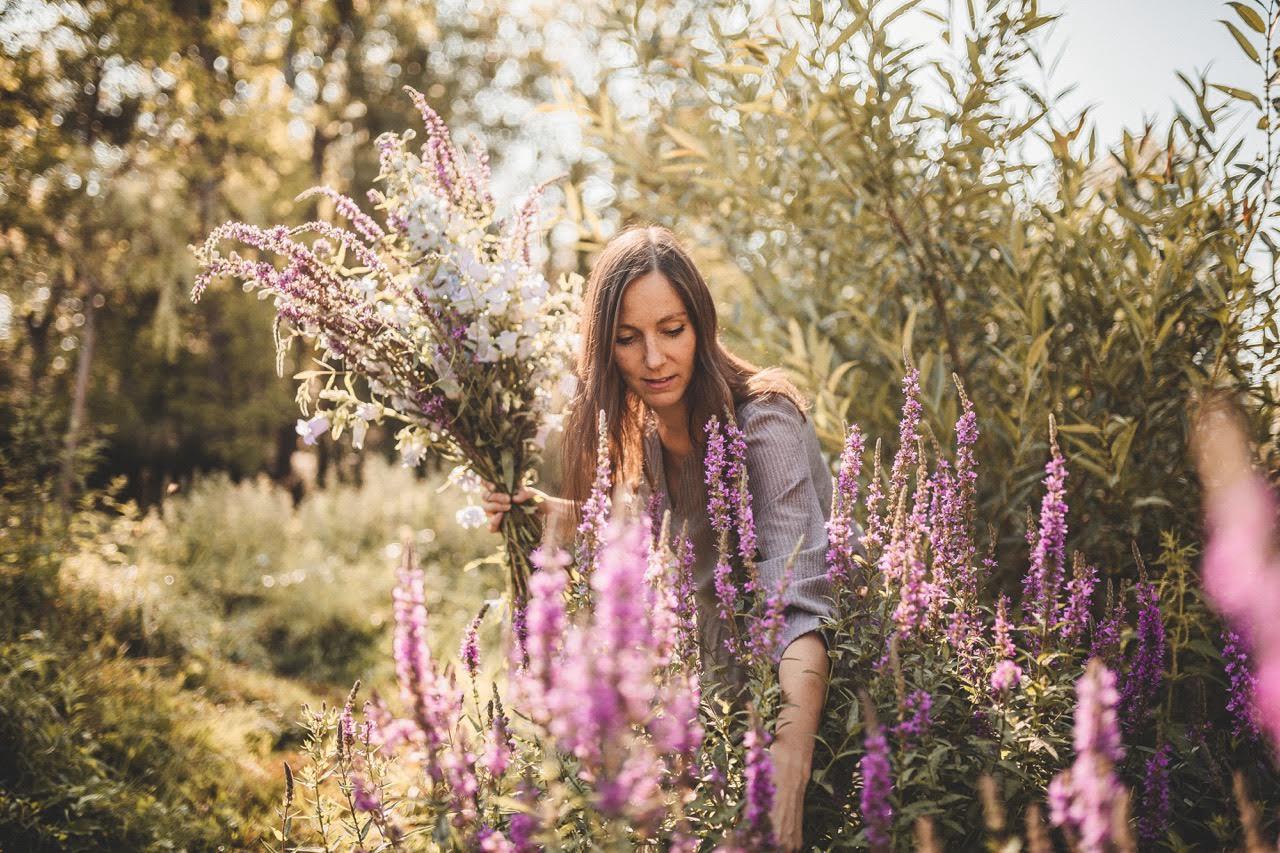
[{"x": 673, "y": 430}]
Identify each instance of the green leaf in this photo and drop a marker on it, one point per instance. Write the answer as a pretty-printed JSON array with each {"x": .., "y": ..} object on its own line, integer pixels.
[
  {"x": 1250, "y": 17},
  {"x": 1242, "y": 40},
  {"x": 1239, "y": 94}
]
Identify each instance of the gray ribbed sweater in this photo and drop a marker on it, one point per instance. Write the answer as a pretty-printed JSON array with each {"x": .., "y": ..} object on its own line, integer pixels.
[{"x": 790, "y": 487}]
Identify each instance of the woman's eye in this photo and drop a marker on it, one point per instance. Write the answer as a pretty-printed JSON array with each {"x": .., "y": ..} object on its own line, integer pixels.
[
  {"x": 624, "y": 341},
  {"x": 672, "y": 333}
]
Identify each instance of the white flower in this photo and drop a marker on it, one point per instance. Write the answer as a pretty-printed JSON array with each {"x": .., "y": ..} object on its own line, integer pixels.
[
  {"x": 550, "y": 424},
  {"x": 568, "y": 385},
  {"x": 507, "y": 343},
  {"x": 411, "y": 445},
  {"x": 470, "y": 516},
  {"x": 358, "y": 430},
  {"x": 466, "y": 480},
  {"x": 312, "y": 430}
]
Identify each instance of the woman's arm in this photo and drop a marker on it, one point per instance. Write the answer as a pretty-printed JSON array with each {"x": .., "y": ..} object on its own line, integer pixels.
[
  {"x": 803, "y": 677},
  {"x": 784, "y": 470}
]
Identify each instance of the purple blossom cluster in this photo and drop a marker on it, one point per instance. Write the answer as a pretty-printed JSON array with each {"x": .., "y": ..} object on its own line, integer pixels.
[
  {"x": 1153, "y": 811},
  {"x": 729, "y": 508},
  {"x": 1241, "y": 685},
  {"x": 841, "y": 545},
  {"x": 918, "y": 720},
  {"x": 1074, "y": 619},
  {"x": 433, "y": 731},
  {"x": 597, "y": 507},
  {"x": 600, "y": 685},
  {"x": 1242, "y": 580},
  {"x": 757, "y": 829},
  {"x": 1043, "y": 581},
  {"x": 1144, "y": 674},
  {"x": 1084, "y": 799},
  {"x": 875, "y": 801},
  {"x": 440, "y": 306}
]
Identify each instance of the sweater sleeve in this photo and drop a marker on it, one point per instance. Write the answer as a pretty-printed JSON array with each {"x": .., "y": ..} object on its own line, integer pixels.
[{"x": 788, "y": 511}]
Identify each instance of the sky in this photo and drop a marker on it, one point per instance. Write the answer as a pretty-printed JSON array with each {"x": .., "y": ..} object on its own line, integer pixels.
[{"x": 1122, "y": 56}]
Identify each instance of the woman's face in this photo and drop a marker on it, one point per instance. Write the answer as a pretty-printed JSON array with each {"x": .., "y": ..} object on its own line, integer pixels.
[{"x": 654, "y": 343}]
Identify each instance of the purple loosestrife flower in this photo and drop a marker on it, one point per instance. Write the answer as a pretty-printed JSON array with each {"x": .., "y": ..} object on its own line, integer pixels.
[
  {"x": 1006, "y": 676},
  {"x": 877, "y": 789},
  {"x": 1075, "y": 613},
  {"x": 764, "y": 629},
  {"x": 714, "y": 469},
  {"x": 1002, "y": 642},
  {"x": 346, "y": 207},
  {"x": 736, "y": 478},
  {"x": 844, "y": 498},
  {"x": 1241, "y": 686},
  {"x": 1153, "y": 813},
  {"x": 1041, "y": 584},
  {"x": 919, "y": 705},
  {"x": 1242, "y": 581},
  {"x": 1145, "y": 671},
  {"x": 873, "y": 538},
  {"x": 908, "y": 455},
  {"x": 498, "y": 750},
  {"x": 962, "y": 549},
  {"x": 757, "y": 826},
  {"x": 1107, "y": 633},
  {"x": 595, "y": 511},
  {"x": 469, "y": 653},
  {"x": 1083, "y": 800},
  {"x": 904, "y": 562}
]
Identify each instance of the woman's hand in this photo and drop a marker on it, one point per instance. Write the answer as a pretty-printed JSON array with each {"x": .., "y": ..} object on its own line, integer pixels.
[
  {"x": 497, "y": 504},
  {"x": 791, "y": 769}
]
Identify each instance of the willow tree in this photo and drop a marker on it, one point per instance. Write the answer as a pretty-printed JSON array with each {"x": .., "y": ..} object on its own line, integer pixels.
[{"x": 871, "y": 201}]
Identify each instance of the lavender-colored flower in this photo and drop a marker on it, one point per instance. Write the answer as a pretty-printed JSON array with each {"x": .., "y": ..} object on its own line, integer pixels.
[
  {"x": 757, "y": 825},
  {"x": 873, "y": 538},
  {"x": 1153, "y": 814},
  {"x": 1075, "y": 614},
  {"x": 919, "y": 706},
  {"x": 364, "y": 797},
  {"x": 1084, "y": 798},
  {"x": 1107, "y": 633},
  {"x": 520, "y": 831},
  {"x": 1242, "y": 581},
  {"x": 469, "y": 653},
  {"x": 349, "y": 210},
  {"x": 1002, "y": 642},
  {"x": 844, "y": 497},
  {"x": 714, "y": 466},
  {"x": 595, "y": 511},
  {"x": 1145, "y": 672},
  {"x": 499, "y": 747},
  {"x": 1242, "y": 686},
  {"x": 764, "y": 629},
  {"x": 736, "y": 477},
  {"x": 877, "y": 789},
  {"x": 1006, "y": 676},
  {"x": 1043, "y": 580},
  {"x": 903, "y": 561},
  {"x": 312, "y": 429},
  {"x": 907, "y": 457}
]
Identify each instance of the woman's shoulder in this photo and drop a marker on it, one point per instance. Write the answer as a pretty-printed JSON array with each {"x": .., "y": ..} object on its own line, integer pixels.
[{"x": 770, "y": 406}]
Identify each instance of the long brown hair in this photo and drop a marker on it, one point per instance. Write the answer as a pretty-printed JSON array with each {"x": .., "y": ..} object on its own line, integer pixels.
[{"x": 720, "y": 379}]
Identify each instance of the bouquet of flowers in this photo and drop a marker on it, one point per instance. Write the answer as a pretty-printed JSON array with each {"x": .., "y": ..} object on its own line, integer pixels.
[{"x": 437, "y": 320}]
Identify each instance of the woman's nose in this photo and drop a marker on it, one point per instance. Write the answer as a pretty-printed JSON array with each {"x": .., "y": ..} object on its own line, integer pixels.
[{"x": 652, "y": 355}]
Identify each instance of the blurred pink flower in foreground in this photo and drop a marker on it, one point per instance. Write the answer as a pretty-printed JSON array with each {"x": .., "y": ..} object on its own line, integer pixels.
[{"x": 1241, "y": 563}]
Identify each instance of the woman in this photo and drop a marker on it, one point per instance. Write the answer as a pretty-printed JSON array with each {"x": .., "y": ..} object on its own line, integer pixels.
[{"x": 652, "y": 360}]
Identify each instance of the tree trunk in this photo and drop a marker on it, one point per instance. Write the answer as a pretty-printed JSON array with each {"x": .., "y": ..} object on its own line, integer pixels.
[{"x": 79, "y": 398}]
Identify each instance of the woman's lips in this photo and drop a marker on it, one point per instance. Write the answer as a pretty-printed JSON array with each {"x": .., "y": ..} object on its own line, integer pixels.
[{"x": 660, "y": 384}]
